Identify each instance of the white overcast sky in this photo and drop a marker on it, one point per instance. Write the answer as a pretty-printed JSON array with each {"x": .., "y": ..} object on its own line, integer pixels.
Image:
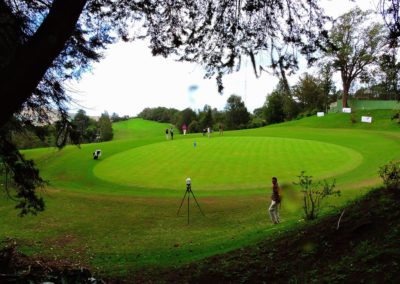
[{"x": 129, "y": 79}]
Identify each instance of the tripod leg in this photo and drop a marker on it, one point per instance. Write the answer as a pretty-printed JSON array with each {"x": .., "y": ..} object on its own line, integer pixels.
[
  {"x": 188, "y": 207},
  {"x": 198, "y": 205},
  {"x": 183, "y": 199}
]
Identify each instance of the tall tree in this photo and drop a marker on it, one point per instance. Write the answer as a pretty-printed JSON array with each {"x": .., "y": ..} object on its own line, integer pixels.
[
  {"x": 237, "y": 115},
  {"x": 390, "y": 75},
  {"x": 105, "y": 126},
  {"x": 273, "y": 112},
  {"x": 186, "y": 116},
  {"x": 309, "y": 93},
  {"x": 356, "y": 43},
  {"x": 327, "y": 85},
  {"x": 207, "y": 119}
]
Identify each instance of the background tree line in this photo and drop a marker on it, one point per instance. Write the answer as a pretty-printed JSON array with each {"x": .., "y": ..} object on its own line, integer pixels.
[
  {"x": 234, "y": 116},
  {"x": 86, "y": 129}
]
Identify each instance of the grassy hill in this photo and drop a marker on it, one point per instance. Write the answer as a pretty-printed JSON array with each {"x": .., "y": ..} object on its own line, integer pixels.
[
  {"x": 364, "y": 247},
  {"x": 119, "y": 214},
  {"x": 381, "y": 120}
]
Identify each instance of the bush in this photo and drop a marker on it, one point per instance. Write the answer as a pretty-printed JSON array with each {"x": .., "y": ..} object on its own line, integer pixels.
[
  {"x": 307, "y": 113},
  {"x": 314, "y": 193},
  {"x": 390, "y": 173},
  {"x": 396, "y": 116},
  {"x": 194, "y": 127},
  {"x": 256, "y": 122}
]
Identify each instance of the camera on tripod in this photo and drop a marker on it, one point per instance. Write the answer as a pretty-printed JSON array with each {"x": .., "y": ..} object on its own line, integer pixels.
[
  {"x": 188, "y": 183},
  {"x": 189, "y": 192}
]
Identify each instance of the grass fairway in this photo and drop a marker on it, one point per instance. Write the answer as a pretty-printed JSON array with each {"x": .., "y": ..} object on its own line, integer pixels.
[
  {"x": 224, "y": 163},
  {"x": 118, "y": 214}
]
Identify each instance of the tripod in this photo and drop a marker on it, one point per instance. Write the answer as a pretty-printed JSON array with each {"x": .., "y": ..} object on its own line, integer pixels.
[{"x": 188, "y": 192}]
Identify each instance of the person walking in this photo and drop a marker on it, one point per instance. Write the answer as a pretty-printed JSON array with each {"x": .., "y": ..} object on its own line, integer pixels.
[
  {"x": 184, "y": 129},
  {"x": 209, "y": 131},
  {"x": 275, "y": 201},
  {"x": 172, "y": 133}
]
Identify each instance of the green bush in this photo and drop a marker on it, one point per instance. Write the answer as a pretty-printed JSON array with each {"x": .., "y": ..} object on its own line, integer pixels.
[
  {"x": 307, "y": 113},
  {"x": 396, "y": 116},
  {"x": 390, "y": 173},
  {"x": 314, "y": 193}
]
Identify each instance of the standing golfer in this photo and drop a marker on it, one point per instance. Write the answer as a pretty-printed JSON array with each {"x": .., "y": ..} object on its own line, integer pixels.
[
  {"x": 172, "y": 133},
  {"x": 166, "y": 133},
  {"x": 275, "y": 201}
]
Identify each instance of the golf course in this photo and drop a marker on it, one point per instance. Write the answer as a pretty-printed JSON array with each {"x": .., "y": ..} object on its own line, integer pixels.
[{"x": 118, "y": 214}]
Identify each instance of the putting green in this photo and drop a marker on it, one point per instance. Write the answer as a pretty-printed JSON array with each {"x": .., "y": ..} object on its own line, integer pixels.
[{"x": 225, "y": 163}]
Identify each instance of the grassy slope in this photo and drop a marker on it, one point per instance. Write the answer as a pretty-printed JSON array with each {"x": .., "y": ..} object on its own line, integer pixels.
[
  {"x": 118, "y": 227},
  {"x": 365, "y": 248}
]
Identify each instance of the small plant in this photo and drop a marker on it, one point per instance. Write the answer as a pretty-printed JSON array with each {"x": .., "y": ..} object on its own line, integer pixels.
[
  {"x": 314, "y": 193},
  {"x": 390, "y": 173}
]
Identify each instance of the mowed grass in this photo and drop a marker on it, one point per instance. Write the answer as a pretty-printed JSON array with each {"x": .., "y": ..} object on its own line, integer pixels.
[
  {"x": 224, "y": 163},
  {"x": 118, "y": 214}
]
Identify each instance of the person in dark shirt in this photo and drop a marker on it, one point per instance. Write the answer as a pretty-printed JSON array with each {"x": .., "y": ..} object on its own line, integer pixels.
[{"x": 275, "y": 201}]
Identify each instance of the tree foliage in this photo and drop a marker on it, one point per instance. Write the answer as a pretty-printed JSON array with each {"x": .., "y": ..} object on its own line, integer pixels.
[
  {"x": 355, "y": 45},
  {"x": 309, "y": 93},
  {"x": 217, "y": 34},
  {"x": 20, "y": 175},
  {"x": 206, "y": 117},
  {"x": 237, "y": 115},
  {"x": 160, "y": 114},
  {"x": 274, "y": 108},
  {"x": 390, "y": 13},
  {"x": 390, "y": 174},
  {"x": 105, "y": 127}
]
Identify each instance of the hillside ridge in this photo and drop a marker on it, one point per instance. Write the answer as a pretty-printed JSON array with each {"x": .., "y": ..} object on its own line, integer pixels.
[{"x": 363, "y": 247}]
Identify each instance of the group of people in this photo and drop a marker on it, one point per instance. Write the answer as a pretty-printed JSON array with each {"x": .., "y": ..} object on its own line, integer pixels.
[
  {"x": 169, "y": 132},
  {"x": 208, "y": 131}
]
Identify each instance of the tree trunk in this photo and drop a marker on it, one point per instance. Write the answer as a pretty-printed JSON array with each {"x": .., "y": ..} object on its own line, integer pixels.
[
  {"x": 346, "y": 88},
  {"x": 20, "y": 77}
]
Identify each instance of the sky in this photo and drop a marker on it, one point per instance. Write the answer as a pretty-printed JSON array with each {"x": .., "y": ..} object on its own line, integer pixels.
[{"x": 129, "y": 79}]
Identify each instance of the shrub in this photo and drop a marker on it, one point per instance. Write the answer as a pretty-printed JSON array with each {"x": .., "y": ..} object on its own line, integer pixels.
[
  {"x": 396, "y": 116},
  {"x": 390, "y": 173},
  {"x": 194, "y": 127},
  {"x": 314, "y": 193}
]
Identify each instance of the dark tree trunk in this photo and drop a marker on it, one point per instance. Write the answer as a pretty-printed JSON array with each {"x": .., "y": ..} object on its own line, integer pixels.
[
  {"x": 22, "y": 74},
  {"x": 345, "y": 96},
  {"x": 346, "y": 88}
]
